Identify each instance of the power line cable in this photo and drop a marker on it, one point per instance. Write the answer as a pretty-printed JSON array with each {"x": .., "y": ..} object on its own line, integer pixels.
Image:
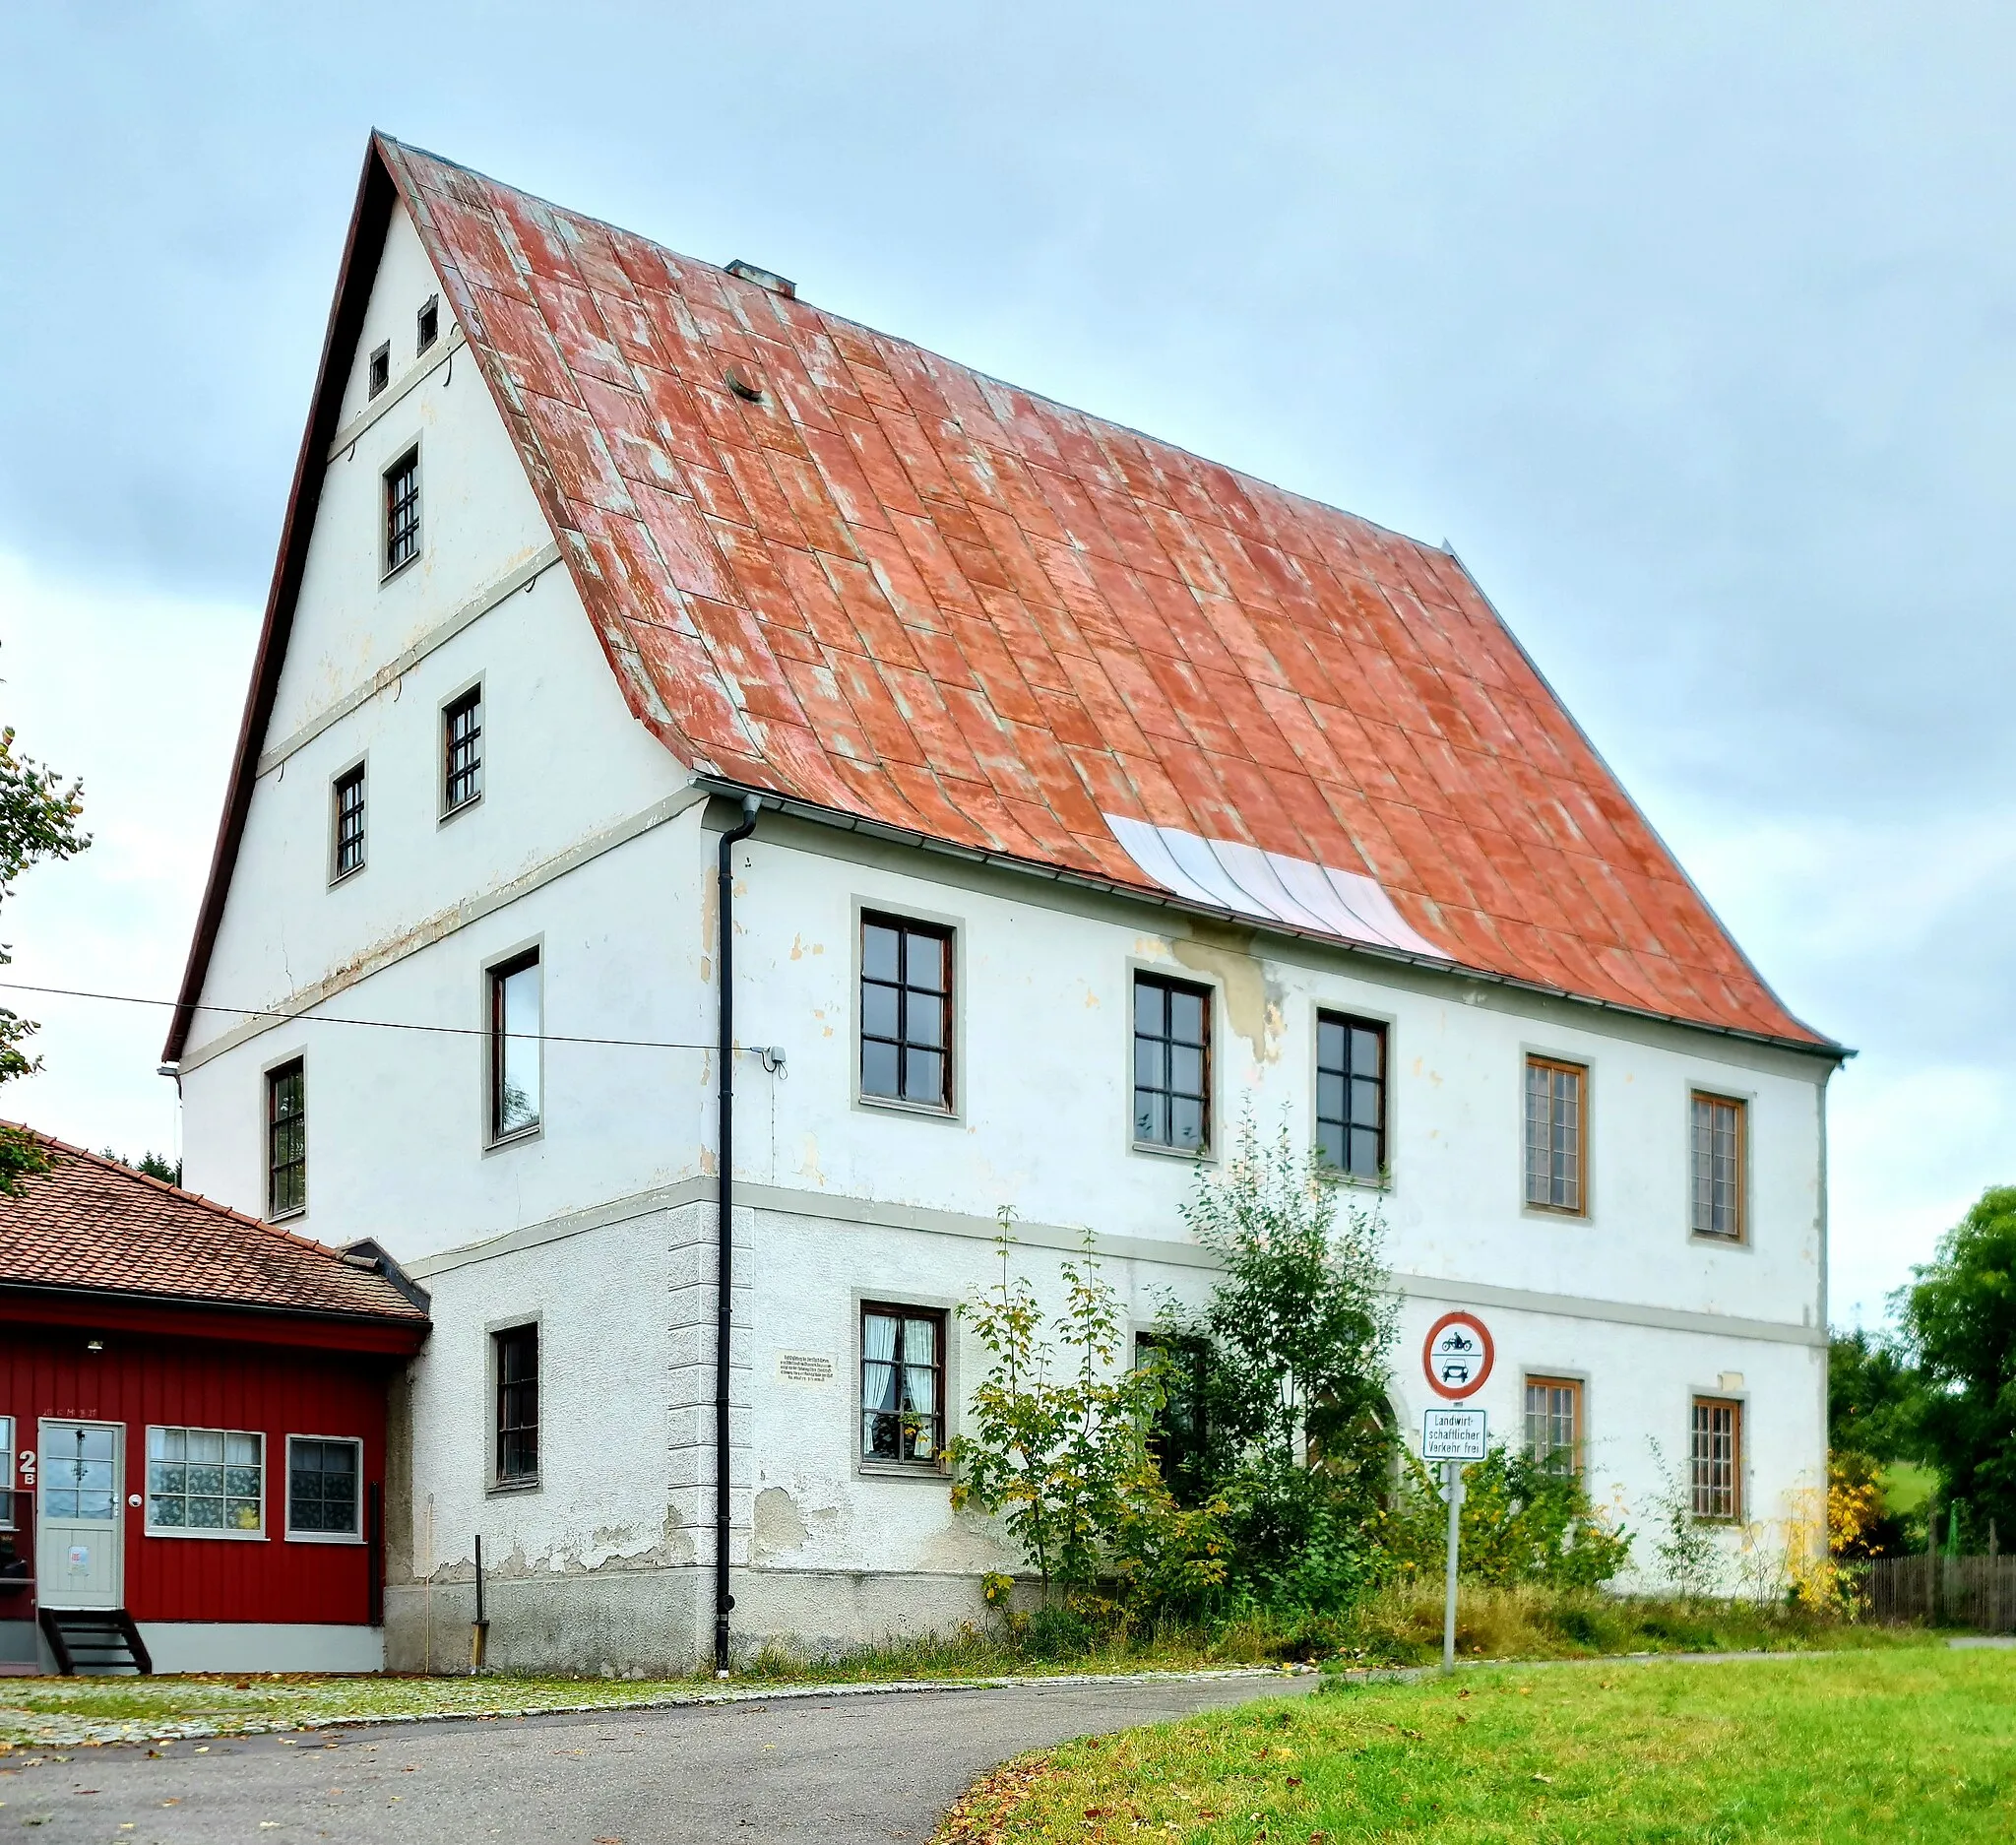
[{"x": 768, "y": 1053}]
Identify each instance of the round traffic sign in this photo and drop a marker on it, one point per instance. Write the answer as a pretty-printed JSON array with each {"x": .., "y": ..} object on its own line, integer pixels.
[{"x": 1456, "y": 1355}]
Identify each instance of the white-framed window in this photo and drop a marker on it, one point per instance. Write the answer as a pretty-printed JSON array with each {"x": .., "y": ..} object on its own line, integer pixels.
[
  {"x": 325, "y": 1489},
  {"x": 205, "y": 1483},
  {"x": 7, "y": 1518}
]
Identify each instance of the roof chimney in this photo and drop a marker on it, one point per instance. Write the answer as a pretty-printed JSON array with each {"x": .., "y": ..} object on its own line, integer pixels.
[{"x": 765, "y": 279}]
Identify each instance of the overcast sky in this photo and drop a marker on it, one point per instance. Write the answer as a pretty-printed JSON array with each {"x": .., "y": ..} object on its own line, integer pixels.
[{"x": 1692, "y": 329}]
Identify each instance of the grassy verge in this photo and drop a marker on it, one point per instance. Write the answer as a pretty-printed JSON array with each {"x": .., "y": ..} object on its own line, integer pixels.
[{"x": 1895, "y": 1747}]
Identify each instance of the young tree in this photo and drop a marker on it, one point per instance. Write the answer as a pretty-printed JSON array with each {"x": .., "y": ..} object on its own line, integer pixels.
[
  {"x": 39, "y": 820},
  {"x": 1874, "y": 1397},
  {"x": 1296, "y": 1338},
  {"x": 1960, "y": 1324}
]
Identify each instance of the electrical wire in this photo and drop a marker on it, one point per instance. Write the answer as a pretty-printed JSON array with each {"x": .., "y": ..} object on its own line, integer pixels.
[{"x": 767, "y": 1052}]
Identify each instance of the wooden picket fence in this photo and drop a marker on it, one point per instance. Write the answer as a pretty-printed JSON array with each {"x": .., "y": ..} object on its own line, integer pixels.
[{"x": 1977, "y": 1592}]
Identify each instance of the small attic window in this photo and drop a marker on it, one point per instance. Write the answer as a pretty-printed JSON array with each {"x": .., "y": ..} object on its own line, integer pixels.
[
  {"x": 430, "y": 323},
  {"x": 381, "y": 368}
]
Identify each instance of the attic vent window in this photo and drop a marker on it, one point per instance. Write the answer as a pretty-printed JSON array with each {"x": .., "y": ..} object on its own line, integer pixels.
[
  {"x": 430, "y": 323},
  {"x": 765, "y": 279},
  {"x": 381, "y": 368},
  {"x": 741, "y": 387}
]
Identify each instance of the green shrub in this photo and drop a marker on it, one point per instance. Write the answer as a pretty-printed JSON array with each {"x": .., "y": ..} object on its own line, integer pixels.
[{"x": 1519, "y": 1523}]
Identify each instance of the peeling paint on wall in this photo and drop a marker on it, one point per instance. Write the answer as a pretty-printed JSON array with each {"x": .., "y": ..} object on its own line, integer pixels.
[{"x": 1253, "y": 1002}]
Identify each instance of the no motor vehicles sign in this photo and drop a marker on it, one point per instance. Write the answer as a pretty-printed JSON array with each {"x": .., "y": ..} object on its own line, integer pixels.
[{"x": 1456, "y": 1355}]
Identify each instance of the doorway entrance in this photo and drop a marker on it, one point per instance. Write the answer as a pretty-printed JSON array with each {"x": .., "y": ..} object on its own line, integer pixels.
[{"x": 80, "y": 1554}]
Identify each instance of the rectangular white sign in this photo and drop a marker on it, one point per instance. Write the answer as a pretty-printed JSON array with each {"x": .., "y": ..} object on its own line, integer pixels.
[{"x": 1452, "y": 1435}]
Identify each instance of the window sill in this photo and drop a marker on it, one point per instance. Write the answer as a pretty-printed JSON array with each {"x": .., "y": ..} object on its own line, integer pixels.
[
  {"x": 1555, "y": 1213},
  {"x": 518, "y": 1138},
  {"x": 343, "y": 877},
  {"x": 894, "y": 1105},
  {"x": 1708, "y": 1240},
  {"x": 287, "y": 1217},
  {"x": 398, "y": 570},
  {"x": 1337, "y": 1175},
  {"x": 186, "y": 1531},
  {"x": 901, "y": 1470},
  {"x": 460, "y": 808},
  {"x": 497, "y": 1487},
  {"x": 1190, "y": 1156},
  {"x": 324, "y": 1537}
]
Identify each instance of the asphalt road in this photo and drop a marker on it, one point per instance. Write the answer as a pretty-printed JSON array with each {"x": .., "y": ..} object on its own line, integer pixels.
[{"x": 846, "y": 1772}]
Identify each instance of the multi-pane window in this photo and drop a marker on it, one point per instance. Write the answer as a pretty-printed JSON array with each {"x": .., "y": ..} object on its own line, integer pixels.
[
  {"x": 1554, "y": 1424},
  {"x": 79, "y": 1476},
  {"x": 1718, "y": 1162},
  {"x": 210, "y": 1480},
  {"x": 462, "y": 749},
  {"x": 903, "y": 1383},
  {"x": 1350, "y": 1095},
  {"x": 429, "y": 329},
  {"x": 517, "y": 1358},
  {"x": 1171, "y": 1063},
  {"x": 403, "y": 511},
  {"x": 1557, "y": 1135},
  {"x": 905, "y": 1011},
  {"x": 515, "y": 1026},
  {"x": 324, "y": 1486},
  {"x": 346, "y": 819},
  {"x": 1718, "y": 1458},
  {"x": 286, "y": 1138},
  {"x": 381, "y": 368}
]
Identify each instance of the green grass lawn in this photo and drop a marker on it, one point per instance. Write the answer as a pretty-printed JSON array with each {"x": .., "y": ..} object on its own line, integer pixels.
[{"x": 1888, "y": 1747}]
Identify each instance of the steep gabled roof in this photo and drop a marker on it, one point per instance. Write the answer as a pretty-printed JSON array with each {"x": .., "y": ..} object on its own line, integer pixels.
[
  {"x": 831, "y": 566},
  {"x": 89, "y": 1224}
]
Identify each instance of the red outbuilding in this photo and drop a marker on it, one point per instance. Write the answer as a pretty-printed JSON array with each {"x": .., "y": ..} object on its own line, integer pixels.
[{"x": 193, "y": 1423}]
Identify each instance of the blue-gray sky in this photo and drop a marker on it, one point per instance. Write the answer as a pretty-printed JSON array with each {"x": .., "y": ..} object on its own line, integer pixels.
[{"x": 1695, "y": 330}]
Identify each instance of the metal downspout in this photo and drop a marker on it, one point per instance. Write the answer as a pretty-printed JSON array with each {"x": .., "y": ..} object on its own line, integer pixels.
[{"x": 724, "y": 1226}]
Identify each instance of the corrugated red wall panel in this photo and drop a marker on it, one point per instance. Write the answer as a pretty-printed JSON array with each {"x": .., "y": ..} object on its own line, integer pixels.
[{"x": 144, "y": 1379}]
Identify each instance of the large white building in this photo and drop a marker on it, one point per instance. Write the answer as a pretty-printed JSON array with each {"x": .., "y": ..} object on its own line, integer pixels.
[{"x": 1101, "y": 794}]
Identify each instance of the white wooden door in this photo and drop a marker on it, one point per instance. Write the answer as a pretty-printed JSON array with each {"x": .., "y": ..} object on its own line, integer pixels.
[{"x": 79, "y": 1547}]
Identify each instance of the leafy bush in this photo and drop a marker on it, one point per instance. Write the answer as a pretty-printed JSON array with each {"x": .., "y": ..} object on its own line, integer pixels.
[{"x": 1519, "y": 1524}]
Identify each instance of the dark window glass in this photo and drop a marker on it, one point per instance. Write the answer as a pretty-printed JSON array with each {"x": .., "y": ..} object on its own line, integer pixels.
[
  {"x": 903, "y": 1383},
  {"x": 322, "y": 1486},
  {"x": 403, "y": 511},
  {"x": 1172, "y": 1064},
  {"x": 518, "y": 1404},
  {"x": 462, "y": 752},
  {"x": 381, "y": 368},
  {"x": 1718, "y": 1168},
  {"x": 430, "y": 324},
  {"x": 1718, "y": 1458},
  {"x": 1554, "y": 1424},
  {"x": 1351, "y": 1093},
  {"x": 287, "y": 1139},
  {"x": 515, "y": 1030},
  {"x": 905, "y": 1011},
  {"x": 1175, "y": 1441},
  {"x": 1556, "y": 1131},
  {"x": 348, "y": 796}
]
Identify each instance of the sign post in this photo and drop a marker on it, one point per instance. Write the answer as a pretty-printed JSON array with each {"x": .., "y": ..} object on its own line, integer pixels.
[{"x": 1457, "y": 1358}]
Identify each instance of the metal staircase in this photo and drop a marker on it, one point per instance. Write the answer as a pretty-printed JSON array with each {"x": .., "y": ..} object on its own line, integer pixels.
[{"x": 94, "y": 1640}]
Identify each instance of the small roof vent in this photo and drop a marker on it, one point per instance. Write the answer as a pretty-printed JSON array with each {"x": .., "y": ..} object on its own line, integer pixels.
[{"x": 765, "y": 279}]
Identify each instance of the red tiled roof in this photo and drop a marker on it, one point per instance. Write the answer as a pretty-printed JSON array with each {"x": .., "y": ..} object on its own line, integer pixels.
[
  {"x": 92, "y": 1224},
  {"x": 896, "y": 589}
]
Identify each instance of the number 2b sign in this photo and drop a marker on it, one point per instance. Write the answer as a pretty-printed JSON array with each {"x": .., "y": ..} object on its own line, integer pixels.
[{"x": 1456, "y": 1355}]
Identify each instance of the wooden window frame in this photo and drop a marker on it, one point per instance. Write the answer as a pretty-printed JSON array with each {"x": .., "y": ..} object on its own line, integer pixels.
[
  {"x": 906, "y": 928},
  {"x": 233, "y": 1533},
  {"x": 1168, "y": 986},
  {"x": 296, "y": 1535},
  {"x": 467, "y": 775},
  {"x": 1697, "y": 1099},
  {"x": 1539, "y": 1061},
  {"x": 378, "y": 372},
  {"x": 1703, "y": 1491},
  {"x": 275, "y": 1078},
  {"x": 1577, "y": 1446},
  {"x": 498, "y": 1038},
  {"x": 426, "y": 323},
  {"x": 400, "y": 530},
  {"x": 1349, "y": 1023},
  {"x": 503, "y": 1428},
  {"x": 341, "y": 813},
  {"x": 902, "y": 1311}
]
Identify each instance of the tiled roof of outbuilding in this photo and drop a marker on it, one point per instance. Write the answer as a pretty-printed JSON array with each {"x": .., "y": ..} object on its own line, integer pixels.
[{"x": 90, "y": 1224}]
